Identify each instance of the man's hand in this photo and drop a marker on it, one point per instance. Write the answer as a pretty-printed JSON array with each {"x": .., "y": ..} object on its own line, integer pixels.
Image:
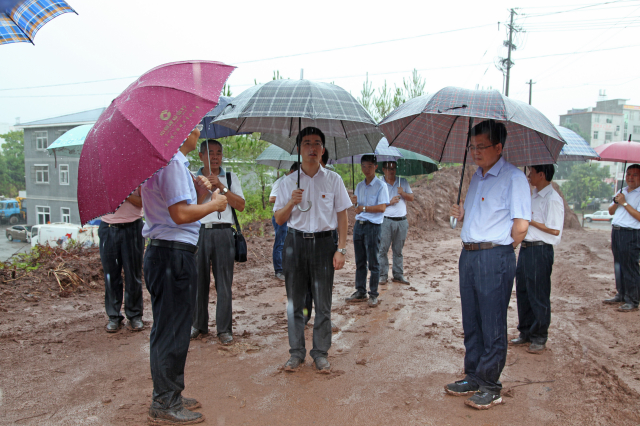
[
  {"x": 202, "y": 185},
  {"x": 620, "y": 198},
  {"x": 338, "y": 261},
  {"x": 296, "y": 196},
  {"x": 400, "y": 191},
  {"x": 395, "y": 200},
  {"x": 354, "y": 199},
  {"x": 219, "y": 200},
  {"x": 215, "y": 182},
  {"x": 456, "y": 211}
]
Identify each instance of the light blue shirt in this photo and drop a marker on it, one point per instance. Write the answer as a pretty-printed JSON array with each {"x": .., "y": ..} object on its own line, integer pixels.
[
  {"x": 167, "y": 187},
  {"x": 372, "y": 195},
  {"x": 622, "y": 217},
  {"x": 493, "y": 201},
  {"x": 398, "y": 209}
]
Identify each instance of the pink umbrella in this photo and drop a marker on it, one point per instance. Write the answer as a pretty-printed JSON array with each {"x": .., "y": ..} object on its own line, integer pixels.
[
  {"x": 626, "y": 151},
  {"x": 142, "y": 130}
]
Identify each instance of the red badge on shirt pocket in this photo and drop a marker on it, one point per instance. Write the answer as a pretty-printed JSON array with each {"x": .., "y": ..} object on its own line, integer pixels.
[
  {"x": 323, "y": 195},
  {"x": 482, "y": 198}
]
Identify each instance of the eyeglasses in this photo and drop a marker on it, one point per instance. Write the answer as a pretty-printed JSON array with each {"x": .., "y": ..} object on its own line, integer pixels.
[{"x": 478, "y": 148}]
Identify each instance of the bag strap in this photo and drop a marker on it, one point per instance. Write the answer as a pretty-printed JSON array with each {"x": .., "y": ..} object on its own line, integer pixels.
[{"x": 233, "y": 211}]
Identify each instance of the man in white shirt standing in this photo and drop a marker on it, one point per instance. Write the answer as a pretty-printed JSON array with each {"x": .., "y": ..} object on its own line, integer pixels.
[
  {"x": 395, "y": 225},
  {"x": 310, "y": 255},
  {"x": 279, "y": 231},
  {"x": 535, "y": 262},
  {"x": 625, "y": 242},
  {"x": 216, "y": 246}
]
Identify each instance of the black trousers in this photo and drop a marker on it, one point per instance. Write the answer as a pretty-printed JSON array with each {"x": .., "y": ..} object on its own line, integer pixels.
[
  {"x": 122, "y": 249},
  {"x": 308, "y": 300},
  {"x": 308, "y": 263},
  {"x": 216, "y": 251},
  {"x": 169, "y": 274},
  {"x": 625, "y": 245},
  {"x": 533, "y": 290}
]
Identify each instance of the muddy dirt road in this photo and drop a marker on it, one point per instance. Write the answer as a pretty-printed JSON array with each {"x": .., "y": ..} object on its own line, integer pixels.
[{"x": 390, "y": 363}]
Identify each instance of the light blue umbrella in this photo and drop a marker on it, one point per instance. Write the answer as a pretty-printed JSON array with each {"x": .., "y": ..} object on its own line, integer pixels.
[
  {"x": 576, "y": 149},
  {"x": 70, "y": 143}
]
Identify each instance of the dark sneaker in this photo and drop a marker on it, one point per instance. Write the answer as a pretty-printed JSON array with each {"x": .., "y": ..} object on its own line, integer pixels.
[
  {"x": 628, "y": 307},
  {"x": 136, "y": 324},
  {"x": 614, "y": 300},
  {"x": 195, "y": 333},
  {"x": 461, "y": 388},
  {"x": 373, "y": 301},
  {"x": 190, "y": 403},
  {"x": 173, "y": 417},
  {"x": 113, "y": 325},
  {"x": 293, "y": 364},
  {"x": 519, "y": 341},
  {"x": 322, "y": 365},
  {"x": 483, "y": 400},
  {"x": 536, "y": 348},
  {"x": 401, "y": 280},
  {"x": 226, "y": 338},
  {"x": 356, "y": 297},
  {"x": 280, "y": 276}
]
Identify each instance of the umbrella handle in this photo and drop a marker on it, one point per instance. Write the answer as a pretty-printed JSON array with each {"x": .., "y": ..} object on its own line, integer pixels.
[
  {"x": 307, "y": 209},
  {"x": 453, "y": 222}
]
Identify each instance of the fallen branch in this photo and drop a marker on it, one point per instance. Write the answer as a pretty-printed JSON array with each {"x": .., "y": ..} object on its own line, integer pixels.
[
  {"x": 531, "y": 383},
  {"x": 31, "y": 417}
]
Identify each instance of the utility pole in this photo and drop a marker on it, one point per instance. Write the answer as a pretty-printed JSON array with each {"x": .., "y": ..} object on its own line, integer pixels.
[
  {"x": 506, "y": 63},
  {"x": 530, "y": 83}
]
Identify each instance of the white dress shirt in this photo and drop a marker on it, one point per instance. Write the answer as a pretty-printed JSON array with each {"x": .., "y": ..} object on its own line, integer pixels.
[
  {"x": 622, "y": 217},
  {"x": 547, "y": 208}
]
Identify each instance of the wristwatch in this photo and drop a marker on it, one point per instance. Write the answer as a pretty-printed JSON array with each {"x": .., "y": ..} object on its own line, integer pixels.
[
  {"x": 364, "y": 209},
  {"x": 343, "y": 251},
  {"x": 625, "y": 204},
  {"x": 225, "y": 190}
]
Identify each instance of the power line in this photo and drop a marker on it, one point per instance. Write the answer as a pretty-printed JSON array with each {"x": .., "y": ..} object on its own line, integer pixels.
[{"x": 576, "y": 9}]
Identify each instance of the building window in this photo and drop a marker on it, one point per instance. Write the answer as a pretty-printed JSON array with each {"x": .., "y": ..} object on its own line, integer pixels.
[
  {"x": 595, "y": 134},
  {"x": 42, "y": 173},
  {"x": 42, "y": 140},
  {"x": 567, "y": 120},
  {"x": 609, "y": 120},
  {"x": 64, "y": 174},
  {"x": 608, "y": 136},
  {"x": 596, "y": 118},
  {"x": 44, "y": 215},
  {"x": 66, "y": 214},
  {"x": 617, "y": 128},
  {"x": 636, "y": 129}
]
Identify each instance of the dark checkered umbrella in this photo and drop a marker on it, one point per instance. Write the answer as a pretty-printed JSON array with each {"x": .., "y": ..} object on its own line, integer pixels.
[{"x": 438, "y": 125}]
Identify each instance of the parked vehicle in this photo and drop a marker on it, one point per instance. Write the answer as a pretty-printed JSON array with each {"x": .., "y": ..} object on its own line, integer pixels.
[
  {"x": 12, "y": 211},
  {"x": 59, "y": 234},
  {"x": 601, "y": 216},
  {"x": 19, "y": 232}
]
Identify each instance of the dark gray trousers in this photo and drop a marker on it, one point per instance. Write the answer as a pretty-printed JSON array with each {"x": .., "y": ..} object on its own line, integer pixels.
[
  {"x": 216, "y": 252},
  {"x": 308, "y": 264},
  {"x": 625, "y": 245},
  {"x": 122, "y": 249}
]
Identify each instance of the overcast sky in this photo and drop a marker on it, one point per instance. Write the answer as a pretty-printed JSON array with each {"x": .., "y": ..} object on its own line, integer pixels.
[{"x": 85, "y": 60}]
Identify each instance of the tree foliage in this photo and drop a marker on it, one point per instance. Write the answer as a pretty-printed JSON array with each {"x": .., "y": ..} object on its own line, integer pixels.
[
  {"x": 381, "y": 102},
  {"x": 12, "y": 178},
  {"x": 587, "y": 181}
]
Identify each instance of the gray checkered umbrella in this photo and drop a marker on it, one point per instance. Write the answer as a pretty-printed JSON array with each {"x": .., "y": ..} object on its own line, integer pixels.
[{"x": 438, "y": 125}]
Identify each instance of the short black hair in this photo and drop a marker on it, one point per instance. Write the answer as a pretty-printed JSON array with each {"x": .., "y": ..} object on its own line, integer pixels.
[
  {"x": 369, "y": 158},
  {"x": 634, "y": 166},
  {"x": 495, "y": 131},
  {"x": 294, "y": 167},
  {"x": 205, "y": 143},
  {"x": 325, "y": 157},
  {"x": 548, "y": 169},
  {"x": 310, "y": 131}
]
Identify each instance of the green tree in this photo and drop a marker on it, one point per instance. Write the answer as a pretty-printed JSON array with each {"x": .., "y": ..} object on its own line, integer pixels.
[
  {"x": 12, "y": 178},
  {"x": 585, "y": 182}
]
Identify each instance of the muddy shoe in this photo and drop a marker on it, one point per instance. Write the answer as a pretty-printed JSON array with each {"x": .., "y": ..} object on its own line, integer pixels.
[
  {"x": 483, "y": 400},
  {"x": 226, "y": 338},
  {"x": 373, "y": 301},
  {"x": 382, "y": 280},
  {"x": 401, "y": 280},
  {"x": 614, "y": 300},
  {"x": 627, "y": 307},
  {"x": 518, "y": 341},
  {"x": 195, "y": 333},
  {"x": 356, "y": 297},
  {"x": 136, "y": 324},
  {"x": 113, "y": 325},
  {"x": 280, "y": 276},
  {"x": 461, "y": 388},
  {"x": 536, "y": 348},
  {"x": 293, "y": 364},
  {"x": 173, "y": 417},
  {"x": 322, "y": 365},
  {"x": 190, "y": 403}
]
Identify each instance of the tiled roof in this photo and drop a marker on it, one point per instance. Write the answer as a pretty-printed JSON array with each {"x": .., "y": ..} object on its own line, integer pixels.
[{"x": 90, "y": 116}]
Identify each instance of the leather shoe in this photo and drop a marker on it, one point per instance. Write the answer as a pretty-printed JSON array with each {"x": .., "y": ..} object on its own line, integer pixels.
[
  {"x": 628, "y": 307},
  {"x": 401, "y": 280},
  {"x": 136, "y": 324},
  {"x": 182, "y": 416},
  {"x": 190, "y": 403},
  {"x": 293, "y": 364},
  {"x": 382, "y": 280},
  {"x": 280, "y": 276},
  {"x": 195, "y": 333},
  {"x": 518, "y": 341},
  {"x": 226, "y": 338},
  {"x": 322, "y": 365},
  {"x": 535, "y": 348},
  {"x": 113, "y": 325},
  {"x": 614, "y": 300},
  {"x": 373, "y": 301}
]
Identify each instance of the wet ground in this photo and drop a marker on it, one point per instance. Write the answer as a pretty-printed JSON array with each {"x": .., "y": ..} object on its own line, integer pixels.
[{"x": 389, "y": 364}]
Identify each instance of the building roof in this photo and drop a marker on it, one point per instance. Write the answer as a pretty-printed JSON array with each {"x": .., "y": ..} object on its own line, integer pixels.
[
  {"x": 84, "y": 117},
  {"x": 590, "y": 112}
]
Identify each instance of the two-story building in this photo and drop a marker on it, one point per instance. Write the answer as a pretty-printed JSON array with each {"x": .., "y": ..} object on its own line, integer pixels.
[{"x": 52, "y": 186}]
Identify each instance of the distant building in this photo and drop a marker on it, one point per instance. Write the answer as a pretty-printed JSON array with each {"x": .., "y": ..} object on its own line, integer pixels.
[{"x": 52, "y": 189}]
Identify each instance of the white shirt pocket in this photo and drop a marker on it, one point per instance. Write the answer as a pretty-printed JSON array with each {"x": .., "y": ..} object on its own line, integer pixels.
[{"x": 326, "y": 201}]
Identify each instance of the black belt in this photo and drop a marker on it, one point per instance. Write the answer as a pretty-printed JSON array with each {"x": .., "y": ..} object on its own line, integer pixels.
[
  {"x": 123, "y": 225},
  {"x": 215, "y": 225},
  {"x": 321, "y": 234},
  {"x": 480, "y": 246},
  {"x": 526, "y": 244},
  {"x": 364, "y": 222},
  {"x": 621, "y": 228},
  {"x": 175, "y": 245},
  {"x": 397, "y": 219}
]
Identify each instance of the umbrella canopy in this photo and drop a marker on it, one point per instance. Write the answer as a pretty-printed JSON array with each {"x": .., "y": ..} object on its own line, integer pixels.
[
  {"x": 71, "y": 142},
  {"x": 626, "y": 151},
  {"x": 20, "y": 20},
  {"x": 576, "y": 149},
  {"x": 142, "y": 130},
  {"x": 383, "y": 152},
  {"x": 437, "y": 125},
  {"x": 211, "y": 130},
  {"x": 277, "y": 157},
  {"x": 410, "y": 164},
  {"x": 280, "y": 108}
]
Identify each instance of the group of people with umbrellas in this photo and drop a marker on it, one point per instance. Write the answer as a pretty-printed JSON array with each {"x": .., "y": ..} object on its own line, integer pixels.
[{"x": 153, "y": 119}]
